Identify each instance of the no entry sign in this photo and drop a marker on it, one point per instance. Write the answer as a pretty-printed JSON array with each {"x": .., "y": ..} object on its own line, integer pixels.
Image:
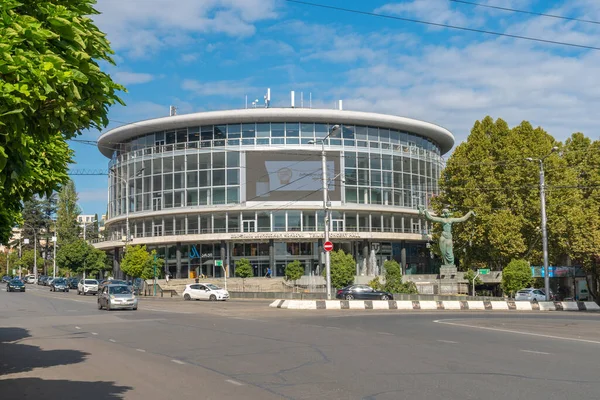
[{"x": 327, "y": 246}]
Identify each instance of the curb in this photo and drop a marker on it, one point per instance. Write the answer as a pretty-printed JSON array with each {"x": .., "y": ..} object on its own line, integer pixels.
[{"x": 440, "y": 305}]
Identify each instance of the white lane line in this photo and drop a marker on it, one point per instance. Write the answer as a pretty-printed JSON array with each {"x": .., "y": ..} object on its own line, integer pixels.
[
  {"x": 112, "y": 340},
  {"x": 141, "y": 350},
  {"x": 333, "y": 327},
  {"x": 178, "y": 362},
  {"x": 234, "y": 382},
  {"x": 94, "y": 333},
  {"x": 447, "y": 341},
  {"x": 439, "y": 321},
  {"x": 385, "y": 333},
  {"x": 535, "y": 352},
  {"x": 77, "y": 327}
]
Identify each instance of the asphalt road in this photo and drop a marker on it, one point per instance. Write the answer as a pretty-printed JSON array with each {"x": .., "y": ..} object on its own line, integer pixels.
[{"x": 59, "y": 346}]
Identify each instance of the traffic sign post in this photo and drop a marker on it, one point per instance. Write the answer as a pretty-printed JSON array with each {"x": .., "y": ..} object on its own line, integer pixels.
[
  {"x": 483, "y": 271},
  {"x": 327, "y": 246}
]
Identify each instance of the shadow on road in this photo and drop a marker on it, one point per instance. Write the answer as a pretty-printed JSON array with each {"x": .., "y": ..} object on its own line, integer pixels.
[{"x": 16, "y": 358}]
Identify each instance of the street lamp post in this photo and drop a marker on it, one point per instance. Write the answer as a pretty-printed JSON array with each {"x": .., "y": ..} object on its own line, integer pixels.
[
  {"x": 543, "y": 212},
  {"x": 34, "y": 250},
  {"x": 326, "y": 213}
]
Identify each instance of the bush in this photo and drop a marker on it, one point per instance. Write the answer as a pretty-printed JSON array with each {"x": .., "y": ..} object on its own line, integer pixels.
[
  {"x": 516, "y": 276},
  {"x": 343, "y": 268},
  {"x": 393, "y": 280},
  {"x": 243, "y": 270},
  {"x": 294, "y": 271}
]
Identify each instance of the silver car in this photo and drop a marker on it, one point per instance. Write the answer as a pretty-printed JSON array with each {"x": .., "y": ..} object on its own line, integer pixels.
[
  {"x": 115, "y": 297},
  {"x": 530, "y": 295}
]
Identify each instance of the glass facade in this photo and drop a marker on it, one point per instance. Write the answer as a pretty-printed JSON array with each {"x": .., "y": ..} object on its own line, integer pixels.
[{"x": 208, "y": 180}]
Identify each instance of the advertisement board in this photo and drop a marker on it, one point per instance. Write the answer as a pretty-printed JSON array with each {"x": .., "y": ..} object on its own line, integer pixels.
[{"x": 290, "y": 175}]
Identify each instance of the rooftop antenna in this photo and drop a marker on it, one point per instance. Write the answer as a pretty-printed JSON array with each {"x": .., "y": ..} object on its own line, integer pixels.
[
  {"x": 309, "y": 99},
  {"x": 293, "y": 98},
  {"x": 254, "y": 103},
  {"x": 172, "y": 111},
  {"x": 246, "y": 101},
  {"x": 301, "y": 99}
]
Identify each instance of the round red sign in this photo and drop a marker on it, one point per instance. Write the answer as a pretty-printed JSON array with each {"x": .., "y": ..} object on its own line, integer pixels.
[{"x": 327, "y": 246}]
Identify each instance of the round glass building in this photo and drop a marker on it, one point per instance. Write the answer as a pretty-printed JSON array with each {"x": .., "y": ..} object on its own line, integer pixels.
[{"x": 209, "y": 188}]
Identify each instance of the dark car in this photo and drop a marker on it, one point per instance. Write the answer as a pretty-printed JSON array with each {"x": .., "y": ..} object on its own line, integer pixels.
[
  {"x": 73, "y": 283},
  {"x": 362, "y": 292},
  {"x": 59, "y": 285},
  {"x": 6, "y": 279},
  {"x": 40, "y": 280},
  {"x": 15, "y": 285}
]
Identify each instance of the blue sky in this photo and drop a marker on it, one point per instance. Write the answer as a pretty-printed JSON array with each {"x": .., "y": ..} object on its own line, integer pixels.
[{"x": 209, "y": 54}]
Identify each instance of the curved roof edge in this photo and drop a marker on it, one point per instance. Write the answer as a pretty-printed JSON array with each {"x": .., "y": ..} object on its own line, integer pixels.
[{"x": 439, "y": 135}]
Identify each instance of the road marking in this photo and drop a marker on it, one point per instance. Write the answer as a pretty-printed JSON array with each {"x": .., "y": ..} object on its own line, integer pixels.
[
  {"x": 77, "y": 327},
  {"x": 178, "y": 362},
  {"x": 447, "y": 341},
  {"x": 167, "y": 311},
  {"x": 141, "y": 350},
  {"x": 112, "y": 340},
  {"x": 234, "y": 382},
  {"x": 385, "y": 333},
  {"x": 333, "y": 327},
  {"x": 535, "y": 352},
  {"x": 94, "y": 333},
  {"x": 445, "y": 322}
]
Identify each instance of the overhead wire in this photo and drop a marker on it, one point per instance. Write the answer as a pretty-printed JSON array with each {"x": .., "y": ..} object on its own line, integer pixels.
[
  {"x": 472, "y": 3},
  {"x": 441, "y": 25}
]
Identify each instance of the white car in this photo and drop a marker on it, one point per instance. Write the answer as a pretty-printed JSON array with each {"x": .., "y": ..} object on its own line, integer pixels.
[
  {"x": 29, "y": 279},
  {"x": 530, "y": 295},
  {"x": 87, "y": 286},
  {"x": 204, "y": 291}
]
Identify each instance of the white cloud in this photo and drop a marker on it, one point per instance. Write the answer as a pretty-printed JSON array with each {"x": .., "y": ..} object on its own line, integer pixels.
[
  {"x": 139, "y": 28},
  {"x": 440, "y": 12},
  {"x": 132, "y": 78},
  {"x": 219, "y": 88}
]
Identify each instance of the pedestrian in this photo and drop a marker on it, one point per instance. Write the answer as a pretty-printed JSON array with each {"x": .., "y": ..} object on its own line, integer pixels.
[
  {"x": 268, "y": 274},
  {"x": 167, "y": 277}
]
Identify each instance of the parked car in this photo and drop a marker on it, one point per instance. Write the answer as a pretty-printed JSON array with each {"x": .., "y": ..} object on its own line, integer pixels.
[
  {"x": 115, "y": 297},
  {"x": 531, "y": 294},
  {"x": 87, "y": 286},
  {"x": 29, "y": 279},
  {"x": 15, "y": 285},
  {"x": 204, "y": 291},
  {"x": 6, "y": 279},
  {"x": 41, "y": 280},
  {"x": 59, "y": 285},
  {"x": 73, "y": 281},
  {"x": 362, "y": 292}
]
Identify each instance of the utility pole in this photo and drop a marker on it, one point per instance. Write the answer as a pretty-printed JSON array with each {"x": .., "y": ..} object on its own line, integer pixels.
[{"x": 54, "y": 239}]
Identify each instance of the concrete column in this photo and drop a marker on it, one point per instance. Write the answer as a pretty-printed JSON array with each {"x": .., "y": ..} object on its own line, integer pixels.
[
  {"x": 178, "y": 260},
  {"x": 403, "y": 259},
  {"x": 365, "y": 253},
  {"x": 116, "y": 263},
  {"x": 272, "y": 258},
  {"x": 223, "y": 257}
]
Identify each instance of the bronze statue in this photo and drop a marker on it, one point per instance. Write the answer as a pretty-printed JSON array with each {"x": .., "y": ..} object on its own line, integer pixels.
[{"x": 446, "y": 236}]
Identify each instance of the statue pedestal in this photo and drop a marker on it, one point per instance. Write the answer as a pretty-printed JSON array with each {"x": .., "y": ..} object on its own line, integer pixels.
[{"x": 448, "y": 270}]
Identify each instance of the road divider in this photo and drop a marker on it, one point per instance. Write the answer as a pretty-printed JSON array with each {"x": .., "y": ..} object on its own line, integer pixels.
[{"x": 439, "y": 305}]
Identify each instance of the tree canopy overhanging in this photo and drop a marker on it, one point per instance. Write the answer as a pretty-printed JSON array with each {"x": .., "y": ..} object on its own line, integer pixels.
[{"x": 51, "y": 89}]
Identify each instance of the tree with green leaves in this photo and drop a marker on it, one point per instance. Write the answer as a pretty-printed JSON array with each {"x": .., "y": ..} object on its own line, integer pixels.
[
  {"x": 78, "y": 256},
  {"x": 52, "y": 88},
  {"x": 6, "y": 266},
  {"x": 135, "y": 260},
  {"x": 516, "y": 276},
  {"x": 393, "y": 280},
  {"x": 29, "y": 259},
  {"x": 243, "y": 270},
  {"x": 343, "y": 268},
  {"x": 67, "y": 227},
  {"x": 294, "y": 271}
]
